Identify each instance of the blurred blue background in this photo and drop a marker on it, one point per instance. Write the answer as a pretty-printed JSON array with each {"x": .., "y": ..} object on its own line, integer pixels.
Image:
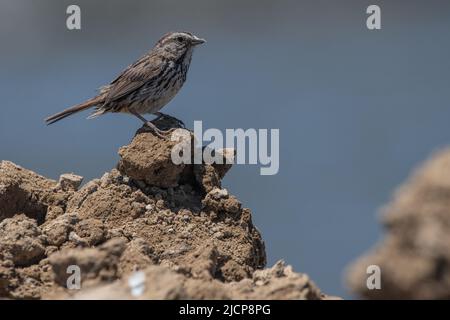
[{"x": 356, "y": 109}]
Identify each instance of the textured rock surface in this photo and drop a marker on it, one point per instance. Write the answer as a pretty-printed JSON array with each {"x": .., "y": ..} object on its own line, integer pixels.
[
  {"x": 69, "y": 182},
  {"x": 191, "y": 237},
  {"x": 414, "y": 256},
  {"x": 23, "y": 191},
  {"x": 148, "y": 158},
  {"x": 159, "y": 282}
]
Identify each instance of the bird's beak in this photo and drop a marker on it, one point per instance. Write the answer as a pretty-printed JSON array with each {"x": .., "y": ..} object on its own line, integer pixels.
[{"x": 197, "y": 41}]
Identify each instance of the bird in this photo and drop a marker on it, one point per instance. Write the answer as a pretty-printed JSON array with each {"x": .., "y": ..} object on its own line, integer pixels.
[{"x": 145, "y": 86}]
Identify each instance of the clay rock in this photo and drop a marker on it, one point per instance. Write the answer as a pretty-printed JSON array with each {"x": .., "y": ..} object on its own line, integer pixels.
[
  {"x": 173, "y": 224},
  {"x": 92, "y": 231},
  {"x": 94, "y": 263},
  {"x": 147, "y": 230},
  {"x": 155, "y": 283},
  {"x": 228, "y": 157},
  {"x": 414, "y": 256},
  {"x": 23, "y": 191},
  {"x": 58, "y": 230},
  {"x": 159, "y": 282},
  {"x": 209, "y": 176},
  {"x": 137, "y": 256},
  {"x": 21, "y": 241},
  {"x": 148, "y": 158},
  {"x": 69, "y": 182},
  {"x": 220, "y": 201},
  {"x": 279, "y": 282},
  {"x": 110, "y": 198}
]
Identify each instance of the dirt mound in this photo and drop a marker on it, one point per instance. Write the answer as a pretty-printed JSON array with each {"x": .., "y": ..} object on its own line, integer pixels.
[
  {"x": 171, "y": 226},
  {"x": 414, "y": 256},
  {"x": 158, "y": 282}
]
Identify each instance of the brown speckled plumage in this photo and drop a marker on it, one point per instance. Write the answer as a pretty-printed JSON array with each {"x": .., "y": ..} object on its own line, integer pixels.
[{"x": 148, "y": 84}]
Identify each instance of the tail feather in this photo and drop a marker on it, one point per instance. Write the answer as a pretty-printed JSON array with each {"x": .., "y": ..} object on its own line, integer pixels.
[
  {"x": 72, "y": 110},
  {"x": 96, "y": 113}
]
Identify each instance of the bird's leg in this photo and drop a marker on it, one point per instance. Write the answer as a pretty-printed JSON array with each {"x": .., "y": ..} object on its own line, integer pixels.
[
  {"x": 148, "y": 124},
  {"x": 163, "y": 115},
  {"x": 159, "y": 116}
]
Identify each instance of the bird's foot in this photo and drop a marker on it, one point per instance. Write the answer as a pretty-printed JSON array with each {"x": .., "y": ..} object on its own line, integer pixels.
[
  {"x": 158, "y": 132},
  {"x": 174, "y": 120}
]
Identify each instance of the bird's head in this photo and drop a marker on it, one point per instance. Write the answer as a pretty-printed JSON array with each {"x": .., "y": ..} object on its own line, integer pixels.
[{"x": 178, "y": 43}]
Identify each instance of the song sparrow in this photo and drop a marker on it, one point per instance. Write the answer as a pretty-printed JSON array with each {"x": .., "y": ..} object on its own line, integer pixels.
[{"x": 147, "y": 85}]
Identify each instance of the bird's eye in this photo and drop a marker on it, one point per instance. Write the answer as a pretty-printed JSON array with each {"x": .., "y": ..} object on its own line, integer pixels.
[{"x": 180, "y": 39}]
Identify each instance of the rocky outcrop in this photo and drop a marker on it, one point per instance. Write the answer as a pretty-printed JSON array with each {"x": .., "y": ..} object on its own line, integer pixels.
[
  {"x": 414, "y": 256},
  {"x": 159, "y": 282},
  {"x": 23, "y": 191},
  {"x": 171, "y": 227}
]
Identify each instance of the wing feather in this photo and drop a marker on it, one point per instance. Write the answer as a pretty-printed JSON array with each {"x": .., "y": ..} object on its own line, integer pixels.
[{"x": 135, "y": 76}]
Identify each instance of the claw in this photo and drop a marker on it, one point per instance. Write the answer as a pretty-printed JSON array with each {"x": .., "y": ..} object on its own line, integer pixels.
[
  {"x": 166, "y": 116},
  {"x": 158, "y": 132}
]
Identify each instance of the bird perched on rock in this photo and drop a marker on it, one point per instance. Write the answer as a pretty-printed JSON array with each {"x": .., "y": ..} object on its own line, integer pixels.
[{"x": 147, "y": 85}]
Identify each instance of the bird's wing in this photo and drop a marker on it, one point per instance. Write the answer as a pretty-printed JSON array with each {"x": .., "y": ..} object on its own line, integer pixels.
[{"x": 135, "y": 76}]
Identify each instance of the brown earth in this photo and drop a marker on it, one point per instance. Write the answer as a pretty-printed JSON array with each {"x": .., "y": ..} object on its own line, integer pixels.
[
  {"x": 149, "y": 229},
  {"x": 414, "y": 256}
]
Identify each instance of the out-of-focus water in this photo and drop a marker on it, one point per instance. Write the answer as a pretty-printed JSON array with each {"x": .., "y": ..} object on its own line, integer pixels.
[{"x": 356, "y": 109}]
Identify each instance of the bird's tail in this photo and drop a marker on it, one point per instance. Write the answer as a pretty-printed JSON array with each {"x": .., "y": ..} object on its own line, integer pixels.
[{"x": 77, "y": 108}]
